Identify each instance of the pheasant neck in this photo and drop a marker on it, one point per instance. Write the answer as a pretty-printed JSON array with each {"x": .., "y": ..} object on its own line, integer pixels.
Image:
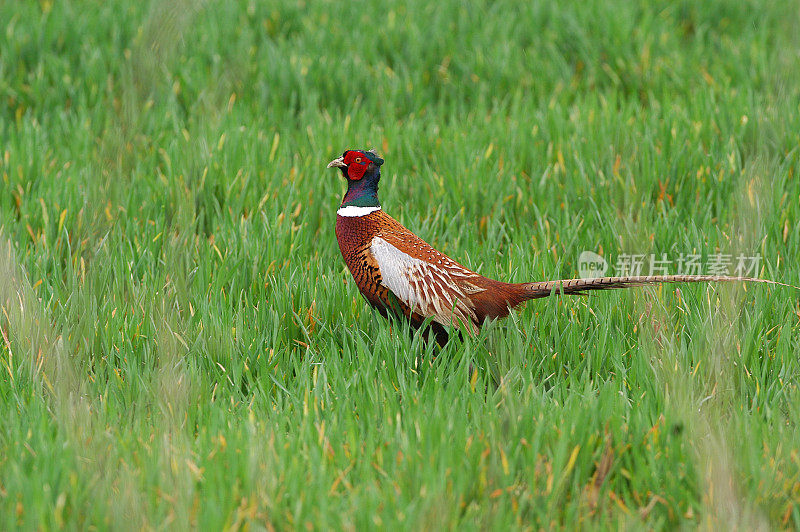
[{"x": 363, "y": 193}]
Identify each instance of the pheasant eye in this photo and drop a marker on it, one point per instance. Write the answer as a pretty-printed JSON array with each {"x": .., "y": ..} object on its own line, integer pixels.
[{"x": 358, "y": 159}]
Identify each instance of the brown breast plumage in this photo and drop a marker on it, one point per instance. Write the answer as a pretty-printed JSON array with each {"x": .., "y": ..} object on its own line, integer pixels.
[{"x": 355, "y": 234}]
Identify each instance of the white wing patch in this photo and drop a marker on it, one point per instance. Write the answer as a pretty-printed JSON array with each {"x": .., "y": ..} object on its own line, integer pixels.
[{"x": 439, "y": 290}]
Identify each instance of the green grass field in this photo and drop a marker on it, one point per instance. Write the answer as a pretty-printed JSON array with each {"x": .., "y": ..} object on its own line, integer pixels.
[{"x": 182, "y": 345}]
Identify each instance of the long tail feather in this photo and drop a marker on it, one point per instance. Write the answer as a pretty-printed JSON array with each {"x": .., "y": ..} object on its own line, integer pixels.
[{"x": 581, "y": 286}]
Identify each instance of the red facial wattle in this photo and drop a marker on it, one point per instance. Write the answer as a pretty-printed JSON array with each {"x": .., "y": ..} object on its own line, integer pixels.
[{"x": 357, "y": 164}]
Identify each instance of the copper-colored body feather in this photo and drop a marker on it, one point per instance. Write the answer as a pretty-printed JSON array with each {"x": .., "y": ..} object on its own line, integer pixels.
[{"x": 448, "y": 287}]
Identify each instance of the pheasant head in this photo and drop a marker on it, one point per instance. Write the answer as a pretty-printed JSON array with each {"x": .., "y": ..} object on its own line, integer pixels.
[{"x": 362, "y": 169}]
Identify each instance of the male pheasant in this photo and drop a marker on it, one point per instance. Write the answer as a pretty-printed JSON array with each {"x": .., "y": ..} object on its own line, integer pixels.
[{"x": 398, "y": 272}]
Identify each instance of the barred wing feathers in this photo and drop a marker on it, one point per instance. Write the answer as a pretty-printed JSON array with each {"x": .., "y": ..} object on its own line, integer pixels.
[{"x": 428, "y": 282}]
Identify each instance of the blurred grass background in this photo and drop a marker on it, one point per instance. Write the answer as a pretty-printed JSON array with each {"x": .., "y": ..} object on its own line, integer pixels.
[{"x": 183, "y": 346}]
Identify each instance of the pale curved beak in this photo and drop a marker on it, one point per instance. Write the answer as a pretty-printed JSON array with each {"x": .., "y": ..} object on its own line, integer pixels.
[{"x": 337, "y": 163}]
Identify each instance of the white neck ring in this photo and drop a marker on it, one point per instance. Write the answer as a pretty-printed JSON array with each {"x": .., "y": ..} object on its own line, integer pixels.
[{"x": 352, "y": 211}]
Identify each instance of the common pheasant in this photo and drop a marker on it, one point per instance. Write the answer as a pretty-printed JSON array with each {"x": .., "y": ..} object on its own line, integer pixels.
[{"x": 398, "y": 272}]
